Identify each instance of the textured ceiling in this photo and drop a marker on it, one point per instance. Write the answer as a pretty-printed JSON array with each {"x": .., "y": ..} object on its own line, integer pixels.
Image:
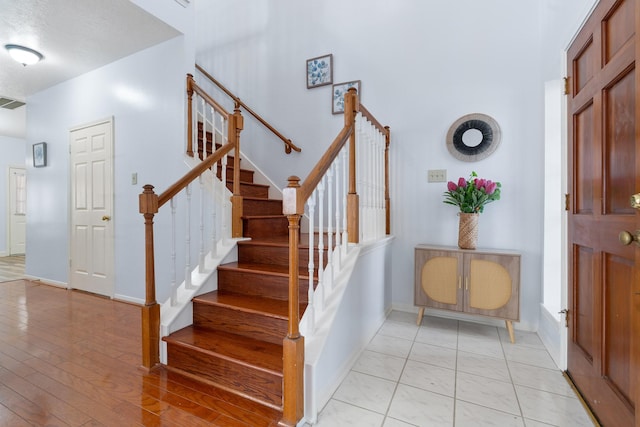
[{"x": 75, "y": 36}]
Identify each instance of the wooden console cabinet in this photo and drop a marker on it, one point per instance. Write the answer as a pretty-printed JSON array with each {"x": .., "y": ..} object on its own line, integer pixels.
[{"x": 484, "y": 282}]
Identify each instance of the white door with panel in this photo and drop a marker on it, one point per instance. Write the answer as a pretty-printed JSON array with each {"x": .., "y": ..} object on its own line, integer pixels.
[
  {"x": 17, "y": 210},
  {"x": 91, "y": 240}
]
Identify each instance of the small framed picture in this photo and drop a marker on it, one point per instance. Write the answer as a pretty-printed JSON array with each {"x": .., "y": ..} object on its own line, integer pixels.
[
  {"x": 320, "y": 71},
  {"x": 339, "y": 89},
  {"x": 40, "y": 155}
]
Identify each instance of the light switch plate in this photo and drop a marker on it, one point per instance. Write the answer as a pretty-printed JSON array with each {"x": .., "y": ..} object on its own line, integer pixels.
[{"x": 437, "y": 175}]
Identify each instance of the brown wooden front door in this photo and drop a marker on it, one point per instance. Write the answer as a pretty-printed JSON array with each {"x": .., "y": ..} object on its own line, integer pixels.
[{"x": 604, "y": 165}]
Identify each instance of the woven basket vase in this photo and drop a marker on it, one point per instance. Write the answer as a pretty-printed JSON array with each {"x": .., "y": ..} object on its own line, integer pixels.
[{"x": 468, "y": 230}]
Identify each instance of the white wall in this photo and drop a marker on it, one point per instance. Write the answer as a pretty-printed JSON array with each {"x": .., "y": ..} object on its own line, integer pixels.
[
  {"x": 13, "y": 123},
  {"x": 12, "y": 153},
  {"x": 145, "y": 94},
  {"x": 422, "y": 66}
]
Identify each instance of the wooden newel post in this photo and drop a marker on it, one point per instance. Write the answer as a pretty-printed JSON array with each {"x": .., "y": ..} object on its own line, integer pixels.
[
  {"x": 148, "y": 201},
  {"x": 293, "y": 345},
  {"x": 387, "y": 199},
  {"x": 351, "y": 105},
  {"x": 236, "y": 199},
  {"x": 190, "y": 115}
]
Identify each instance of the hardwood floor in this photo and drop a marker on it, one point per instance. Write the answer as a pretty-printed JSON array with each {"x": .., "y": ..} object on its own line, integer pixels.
[
  {"x": 11, "y": 267},
  {"x": 68, "y": 358}
]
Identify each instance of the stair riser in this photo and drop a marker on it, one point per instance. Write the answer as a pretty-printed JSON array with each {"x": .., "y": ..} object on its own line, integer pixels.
[
  {"x": 250, "y": 190},
  {"x": 245, "y": 175},
  {"x": 265, "y": 227},
  {"x": 256, "y": 284},
  {"x": 256, "y": 384},
  {"x": 278, "y": 255},
  {"x": 252, "y": 325},
  {"x": 261, "y": 207}
]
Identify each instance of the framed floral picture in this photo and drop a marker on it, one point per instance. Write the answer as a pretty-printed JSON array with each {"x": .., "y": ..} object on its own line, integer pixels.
[
  {"x": 40, "y": 155},
  {"x": 320, "y": 71},
  {"x": 337, "y": 96}
]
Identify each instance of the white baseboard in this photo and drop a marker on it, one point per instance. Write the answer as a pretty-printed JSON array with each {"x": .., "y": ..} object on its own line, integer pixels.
[
  {"x": 550, "y": 332},
  {"x": 126, "y": 298},
  {"x": 47, "y": 281}
]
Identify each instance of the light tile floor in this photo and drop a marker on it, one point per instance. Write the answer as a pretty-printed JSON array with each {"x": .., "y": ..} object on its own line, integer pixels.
[
  {"x": 11, "y": 267},
  {"x": 452, "y": 373}
]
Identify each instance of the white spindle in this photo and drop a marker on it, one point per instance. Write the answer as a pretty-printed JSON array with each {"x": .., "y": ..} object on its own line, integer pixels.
[
  {"x": 174, "y": 284},
  {"x": 311, "y": 204},
  {"x": 321, "y": 238},
  {"x": 201, "y": 234},
  {"x": 345, "y": 173},
  {"x": 329, "y": 269},
  {"x": 226, "y": 233},
  {"x": 203, "y": 153},
  {"x": 187, "y": 266},
  {"x": 338, "y": 210}
]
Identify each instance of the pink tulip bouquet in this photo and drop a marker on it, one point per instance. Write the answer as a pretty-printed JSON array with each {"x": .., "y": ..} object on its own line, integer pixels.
[{"x": 472, "y": 195}]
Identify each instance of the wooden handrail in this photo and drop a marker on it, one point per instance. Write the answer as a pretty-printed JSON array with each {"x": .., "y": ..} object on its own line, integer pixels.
[
  {"x": 322, "y": 166},
  {"x": 288, "y": 144},
  {"x": 365, "y": 113},
  {"x": 207, "y": 163}
]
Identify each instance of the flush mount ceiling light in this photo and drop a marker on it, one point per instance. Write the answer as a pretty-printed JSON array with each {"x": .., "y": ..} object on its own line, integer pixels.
[{"x": 23, "y": 55}]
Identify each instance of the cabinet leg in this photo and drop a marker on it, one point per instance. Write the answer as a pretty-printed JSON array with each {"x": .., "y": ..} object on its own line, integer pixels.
[
  {"x": 420, "y": 314},
  {"x": 512, "y": 335}
]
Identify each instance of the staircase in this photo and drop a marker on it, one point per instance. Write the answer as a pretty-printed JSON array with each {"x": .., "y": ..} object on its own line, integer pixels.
[{"x": 236, "y": 340}]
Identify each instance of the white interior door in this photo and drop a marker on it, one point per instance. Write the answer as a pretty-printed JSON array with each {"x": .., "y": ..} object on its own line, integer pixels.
[
  {"x": 17, "y": 210},
  {"x": 91, "y": 208}
]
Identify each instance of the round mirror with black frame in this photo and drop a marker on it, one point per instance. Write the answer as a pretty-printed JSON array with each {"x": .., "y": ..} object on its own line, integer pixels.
[{"x": 473, "y": 137}]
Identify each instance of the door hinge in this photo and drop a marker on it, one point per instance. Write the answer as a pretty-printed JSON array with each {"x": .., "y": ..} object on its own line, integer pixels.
[
  {"x": 565, "y": 311},
  {"x": 567, "y": 202},
  {"x": 566, "y": 85}
]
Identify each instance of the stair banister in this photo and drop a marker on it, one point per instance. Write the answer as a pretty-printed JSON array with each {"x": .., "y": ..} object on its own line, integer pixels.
[
  {"x": 149, "y": 204},
  {"x": 288, "y": 144},
  {"x": 295, "y": 196}
]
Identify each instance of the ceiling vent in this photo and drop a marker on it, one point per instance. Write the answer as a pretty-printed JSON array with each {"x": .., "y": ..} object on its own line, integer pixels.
[{"x": 10, "y": 104}]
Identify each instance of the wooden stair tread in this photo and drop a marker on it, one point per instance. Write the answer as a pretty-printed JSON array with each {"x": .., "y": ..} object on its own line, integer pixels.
[
  {"x": 253, "y": 184},
  {"x": 261, "y": 199},
  {"x": 281, "y": 240},
  {"x": 270, "y": 307},
  {"x": 218, "y": 399},
  {"x": 274, "y": 269},
  {"x": 247, "y": 351}
]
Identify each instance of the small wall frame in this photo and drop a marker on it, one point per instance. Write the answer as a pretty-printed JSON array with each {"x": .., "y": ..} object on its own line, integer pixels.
[
  {"x": 39, "y": 155},
  {"x": 320, "y": 71},
  {"x": 337, "y": 97}
]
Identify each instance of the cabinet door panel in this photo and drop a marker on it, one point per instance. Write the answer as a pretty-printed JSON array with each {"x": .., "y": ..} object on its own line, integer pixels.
[
  {"x": 438, "y": 278},
  {"x": 491, "y": 285}
]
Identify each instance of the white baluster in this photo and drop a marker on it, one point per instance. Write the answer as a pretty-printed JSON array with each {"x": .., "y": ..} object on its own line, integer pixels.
[
  {"x": 320, "y": 190},
  {"x": 338, "y": 209},
  {"x": 311, "y": 204},
  {"x": 203, "y": 153},
  {"x": 174, "y": 284},
  {"x": 226, "y": 232},
  {"x": 345, "y": 173},
  {"x": 329, "y": 269},
  {"x": 201, "y": 234},
  {"x": 187, "y": 266}
]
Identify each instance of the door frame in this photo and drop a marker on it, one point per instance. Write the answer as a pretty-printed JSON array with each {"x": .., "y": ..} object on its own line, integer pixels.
[
  {"x": 8, "y": 207},
  {"x": 110, "y": 121}
]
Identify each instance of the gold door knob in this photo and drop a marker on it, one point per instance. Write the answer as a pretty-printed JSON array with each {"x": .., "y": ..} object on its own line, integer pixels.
[
  {"x": 635, "y": 201},
  {"x": 627, "y": 238},
  {"x": 106, "y": 218}
]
